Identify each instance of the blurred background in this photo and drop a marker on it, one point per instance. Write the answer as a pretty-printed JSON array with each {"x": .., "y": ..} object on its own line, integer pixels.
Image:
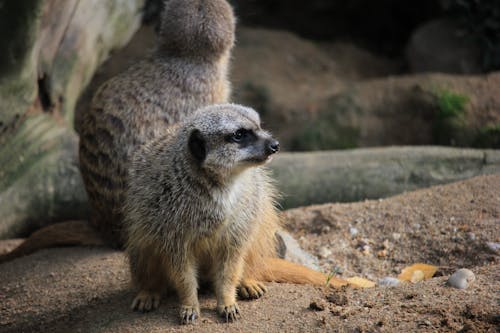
[{"x": 325, "y": 75}]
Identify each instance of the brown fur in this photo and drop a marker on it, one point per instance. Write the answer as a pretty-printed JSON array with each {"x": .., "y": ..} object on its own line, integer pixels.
[{"x": 188, "y": 70}]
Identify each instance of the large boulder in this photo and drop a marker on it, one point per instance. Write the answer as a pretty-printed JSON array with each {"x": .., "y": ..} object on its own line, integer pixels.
[
  {"x": 402, "y": 110},
  {"x": 443, "y": 46}
]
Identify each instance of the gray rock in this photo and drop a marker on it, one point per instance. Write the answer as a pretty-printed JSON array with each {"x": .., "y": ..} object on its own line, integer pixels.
[
  {"x": 352, "y": 175},
  {"x": 441, "y": 46},
  {"x": 461, "y": 278},
  {"x": 389, "y": 281},
  {"x": 494, "y": 246},
  {"x": 291, "y": 251}
]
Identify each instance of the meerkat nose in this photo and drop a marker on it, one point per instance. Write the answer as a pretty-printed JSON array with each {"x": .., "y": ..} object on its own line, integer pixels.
[{"x": 273, "y": 146}]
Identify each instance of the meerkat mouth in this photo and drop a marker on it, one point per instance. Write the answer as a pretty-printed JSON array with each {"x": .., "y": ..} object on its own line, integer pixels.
[{"x": 259, "y": 160}]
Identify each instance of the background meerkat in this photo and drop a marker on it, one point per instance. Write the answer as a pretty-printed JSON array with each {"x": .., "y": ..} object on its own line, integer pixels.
[
  {"x": 188, "y": 70},
  {"x": 199, "y": 204}
]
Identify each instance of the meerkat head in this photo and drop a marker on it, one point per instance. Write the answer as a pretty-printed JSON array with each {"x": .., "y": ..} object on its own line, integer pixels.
[
  {"x": 226, "y": 139},
  {"x": 196, "y": 28}
]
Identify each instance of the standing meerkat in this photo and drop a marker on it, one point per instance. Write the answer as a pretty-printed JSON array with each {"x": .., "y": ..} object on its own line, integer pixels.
[
  {"x": 200, "y": 204},
  {"x": 187, "y": 70}
]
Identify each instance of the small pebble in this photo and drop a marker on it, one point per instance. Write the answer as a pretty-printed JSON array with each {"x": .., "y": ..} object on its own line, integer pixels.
[
  {"x": 382, "y": 253},
  {"x": 366, "y": 249},
  {"x": 461, "y": 278},
  {"x": 353, "y": 231},
  {"x": 396, "y": 235},
  {"x": 493, "y": 246},
  {"x": 359, "y": 220},
  {"x": 324, "y": 252},
  {"x": 471, "y": 236},
  {"x": 389, "y": 281}
]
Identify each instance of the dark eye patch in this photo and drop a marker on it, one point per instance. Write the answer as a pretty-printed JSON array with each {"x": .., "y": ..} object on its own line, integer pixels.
[{"x": 242, "y": 136}]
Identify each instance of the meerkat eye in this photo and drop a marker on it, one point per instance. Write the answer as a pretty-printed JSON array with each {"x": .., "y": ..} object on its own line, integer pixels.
[{"x": 239, "y": 135}]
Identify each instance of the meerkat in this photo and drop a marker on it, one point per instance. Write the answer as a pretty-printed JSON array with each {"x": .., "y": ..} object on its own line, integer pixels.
[
  {"x": 199, "y": 203},
  {"x": 187, "y": 70}
]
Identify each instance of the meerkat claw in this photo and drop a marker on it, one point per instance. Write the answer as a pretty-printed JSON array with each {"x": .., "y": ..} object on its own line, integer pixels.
[
  {"x": 230, "y": 312},
  {"x": 188, "y": 314}
]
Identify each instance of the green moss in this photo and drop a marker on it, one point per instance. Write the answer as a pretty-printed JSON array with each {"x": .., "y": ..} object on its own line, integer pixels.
[
  {"x": 449, "y": 126},
  {"x": 450, "y": 104}
]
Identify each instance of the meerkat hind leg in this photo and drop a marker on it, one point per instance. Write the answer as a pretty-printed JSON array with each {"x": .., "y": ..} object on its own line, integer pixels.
[{"x": 251, "y": 289}]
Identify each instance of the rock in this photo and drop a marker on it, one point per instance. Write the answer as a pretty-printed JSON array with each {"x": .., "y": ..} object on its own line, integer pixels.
[
  {"x": 324, "y": 252},
  {"x": 396, "y": 236},
  {"x": 353, "y": 231},
  {"x": 432, "y": 109},
  {"x": 389, "y": 281},
  {"x": 294, "y": 253},
  {"x": 461, "y": 278},
  {"x": 471, "y": 236},
  {"x": 442, "y": 46},
  {"x": 353, "y": 175},
  {"x": 494, "y": 246}
]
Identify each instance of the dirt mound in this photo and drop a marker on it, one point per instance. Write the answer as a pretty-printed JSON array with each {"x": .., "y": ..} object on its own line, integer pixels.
[
  {"x": 449, "y": 226},
  {"x": 88, "y": 290}
]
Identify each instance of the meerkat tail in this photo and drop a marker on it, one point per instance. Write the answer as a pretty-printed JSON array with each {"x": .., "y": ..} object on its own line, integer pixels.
[
  {"x": 69, "y": 233},
  {"x": 280, "y": 270}
]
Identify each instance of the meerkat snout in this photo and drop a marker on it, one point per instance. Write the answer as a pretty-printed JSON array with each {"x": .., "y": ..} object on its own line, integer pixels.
[{"x": 273, "y": 146}]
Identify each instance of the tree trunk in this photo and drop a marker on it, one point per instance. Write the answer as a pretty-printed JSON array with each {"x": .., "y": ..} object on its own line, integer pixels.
[{"x": 50, "y": 51}]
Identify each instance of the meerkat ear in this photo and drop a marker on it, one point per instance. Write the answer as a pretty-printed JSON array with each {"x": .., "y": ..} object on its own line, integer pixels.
[{"x": 197, "y": 145}]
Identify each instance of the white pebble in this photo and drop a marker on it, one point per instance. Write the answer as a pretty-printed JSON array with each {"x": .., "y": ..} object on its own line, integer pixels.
[
  {"x": 493, "y": 246},
  {"x": 461, "y": 278},
  {"x": 353, "y": 231},
  {"x": 389, "y": 281},
  {"x": 324, "y": 252}
]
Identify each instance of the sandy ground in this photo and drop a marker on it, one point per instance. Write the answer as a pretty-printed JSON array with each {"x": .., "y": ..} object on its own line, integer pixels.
[{"x": 87, "y": 290}]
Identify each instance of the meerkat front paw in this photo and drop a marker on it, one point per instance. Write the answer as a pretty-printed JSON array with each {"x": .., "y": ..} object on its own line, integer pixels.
[
  {"x": 188, "y": 314},
  {"x": 146, "y": 301},
  {"x": 230, "y": 312},
  {"x": 251, "y": 289}
]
